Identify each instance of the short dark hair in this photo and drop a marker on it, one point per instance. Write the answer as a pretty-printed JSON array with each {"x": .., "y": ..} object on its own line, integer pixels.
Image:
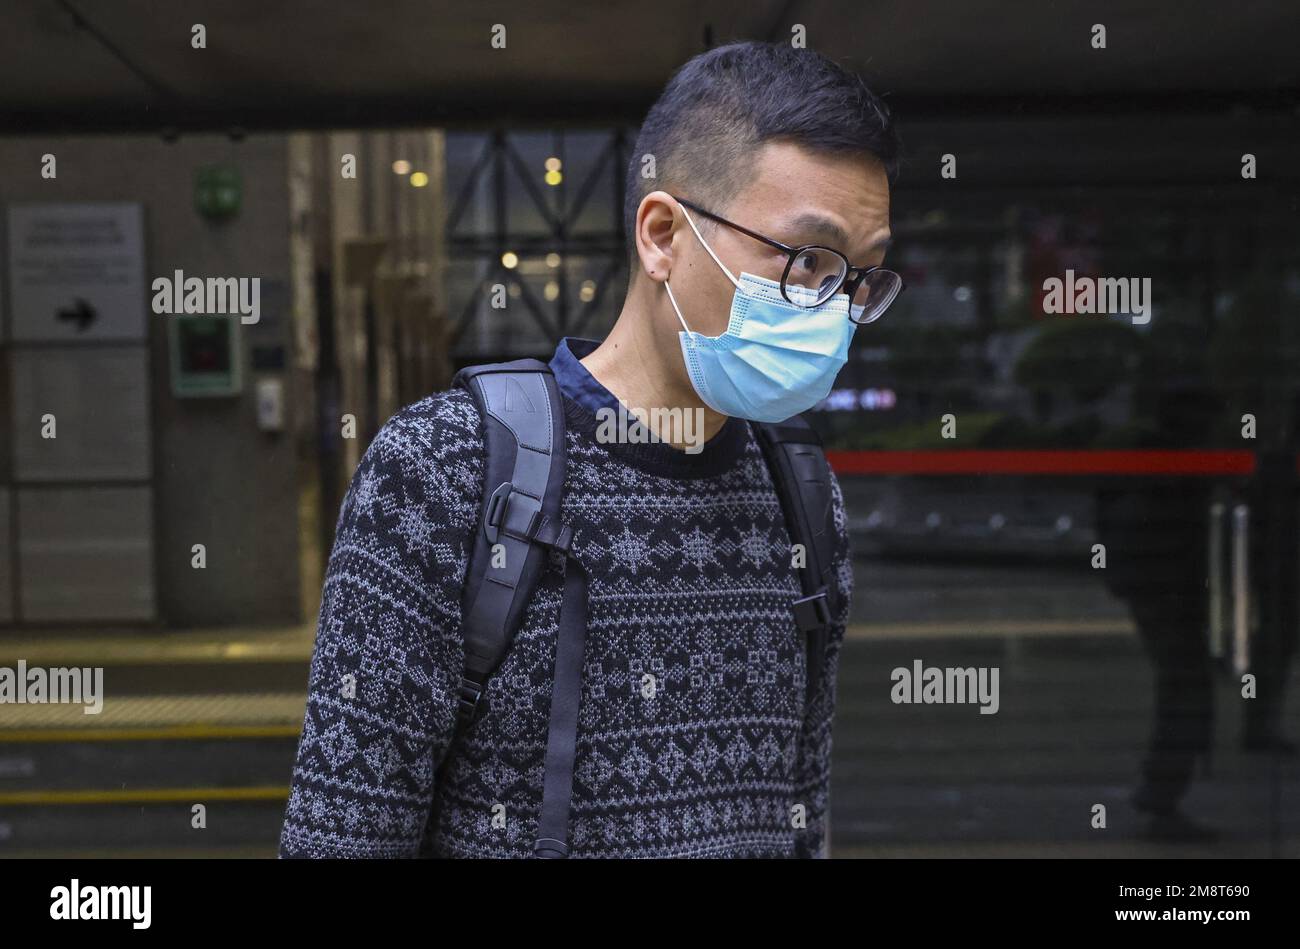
[{"x": 706, "y": 126}]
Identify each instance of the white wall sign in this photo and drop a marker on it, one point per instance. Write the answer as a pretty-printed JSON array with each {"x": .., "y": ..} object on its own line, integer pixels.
[{"x": 76, "y": 272}]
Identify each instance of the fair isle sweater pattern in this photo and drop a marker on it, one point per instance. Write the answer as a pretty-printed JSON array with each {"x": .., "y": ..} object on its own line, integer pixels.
[{"x": 694, "y": 735}]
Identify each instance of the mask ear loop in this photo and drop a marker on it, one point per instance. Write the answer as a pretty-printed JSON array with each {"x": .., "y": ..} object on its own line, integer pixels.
[
  {"x": 706, "y": 246},
  {"x": 673, "y": 301},
  {"x": 691, "y": 222}
]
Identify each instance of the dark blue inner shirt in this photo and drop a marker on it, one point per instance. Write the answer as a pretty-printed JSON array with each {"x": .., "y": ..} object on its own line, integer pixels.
[{"x": 573, "y": 378}]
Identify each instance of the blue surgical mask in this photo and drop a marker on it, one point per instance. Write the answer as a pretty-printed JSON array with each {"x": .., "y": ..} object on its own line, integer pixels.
[{"x": 775, "y": 359}]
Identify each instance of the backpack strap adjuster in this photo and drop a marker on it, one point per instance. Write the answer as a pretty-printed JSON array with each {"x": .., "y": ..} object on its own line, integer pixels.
[
  {"x": 520, "y": 516},
  {"x": 549, "y": 533},
  {"x": 468, "y": 694},
  {"x": 812, "y": 612},
  {"x": 494, "y": 514}
]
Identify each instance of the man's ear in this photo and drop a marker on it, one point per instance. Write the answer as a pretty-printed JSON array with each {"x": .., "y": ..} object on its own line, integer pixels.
[{"x": 655, "y": 218}]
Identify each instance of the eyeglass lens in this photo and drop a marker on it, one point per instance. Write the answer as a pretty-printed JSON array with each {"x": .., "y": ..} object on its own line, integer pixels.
[{"x": 815, "y": 274}]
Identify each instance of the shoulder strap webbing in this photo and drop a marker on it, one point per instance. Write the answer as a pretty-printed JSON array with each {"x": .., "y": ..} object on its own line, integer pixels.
[
  {"x": 562, "y": 732},
  {"x": 523, "y": 484},
  {"x": 523, "y": 477},
  {"x": 801, "y": 475}
]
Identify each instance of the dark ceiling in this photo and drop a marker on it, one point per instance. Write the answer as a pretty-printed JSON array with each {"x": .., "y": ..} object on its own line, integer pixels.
[{"x": 87, "y": 65}]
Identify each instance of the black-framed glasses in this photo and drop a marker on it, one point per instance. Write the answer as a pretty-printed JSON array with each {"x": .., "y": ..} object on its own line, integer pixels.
[{"x": 814, "y": 273}]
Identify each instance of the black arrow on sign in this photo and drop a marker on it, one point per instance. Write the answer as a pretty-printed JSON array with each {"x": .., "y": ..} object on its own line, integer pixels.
[{"x": 82, "y": 312}]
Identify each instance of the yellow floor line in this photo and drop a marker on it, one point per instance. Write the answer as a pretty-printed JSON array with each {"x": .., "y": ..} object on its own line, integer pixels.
[
  {"x": 273, "y": 792},
  {"x": 285, "y": 644},
  {"x": 167, "y": 733},
  {"x": 135, "y": 712},
  {"x": 152, "y": 853}
]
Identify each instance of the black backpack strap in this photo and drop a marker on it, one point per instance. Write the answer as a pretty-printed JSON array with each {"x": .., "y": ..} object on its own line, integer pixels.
[
  {"x": 523, "y": 482},
  {"x": 802, "y": 477},
  {"x": 523, "y": 477},
  {"x": 562, "y": 732}
]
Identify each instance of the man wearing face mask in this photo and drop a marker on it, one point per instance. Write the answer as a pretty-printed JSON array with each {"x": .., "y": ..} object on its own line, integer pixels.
[{"x": 656, "y": 698}]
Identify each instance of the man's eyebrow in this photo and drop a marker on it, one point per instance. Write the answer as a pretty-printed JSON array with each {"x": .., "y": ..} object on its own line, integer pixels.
[{"x": 810, "y": 222}]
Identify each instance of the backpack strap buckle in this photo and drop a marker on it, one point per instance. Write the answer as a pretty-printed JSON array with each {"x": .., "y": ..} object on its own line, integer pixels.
[
  {"x": 549, "y": 533},
  {"x": 520, "y": 516},
  {"x": 468, "y": 694},
  {"x": 494, "y": 514}
]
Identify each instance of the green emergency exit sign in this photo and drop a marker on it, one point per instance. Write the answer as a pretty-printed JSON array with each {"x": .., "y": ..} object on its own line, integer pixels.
[
  {"x": 218, "y": 191},
  {"x": 204, "y": 355}
]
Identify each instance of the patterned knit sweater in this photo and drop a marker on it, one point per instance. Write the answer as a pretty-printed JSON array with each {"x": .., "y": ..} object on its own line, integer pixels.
[{"x": 690, "y": 583}]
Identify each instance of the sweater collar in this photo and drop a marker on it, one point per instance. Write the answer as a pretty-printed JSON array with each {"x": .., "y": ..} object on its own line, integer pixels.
[{"x": 589, "y": 406}]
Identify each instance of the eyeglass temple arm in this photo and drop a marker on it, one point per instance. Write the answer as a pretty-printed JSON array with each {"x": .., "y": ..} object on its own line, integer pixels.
[{"x": 732, "y": 224}]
